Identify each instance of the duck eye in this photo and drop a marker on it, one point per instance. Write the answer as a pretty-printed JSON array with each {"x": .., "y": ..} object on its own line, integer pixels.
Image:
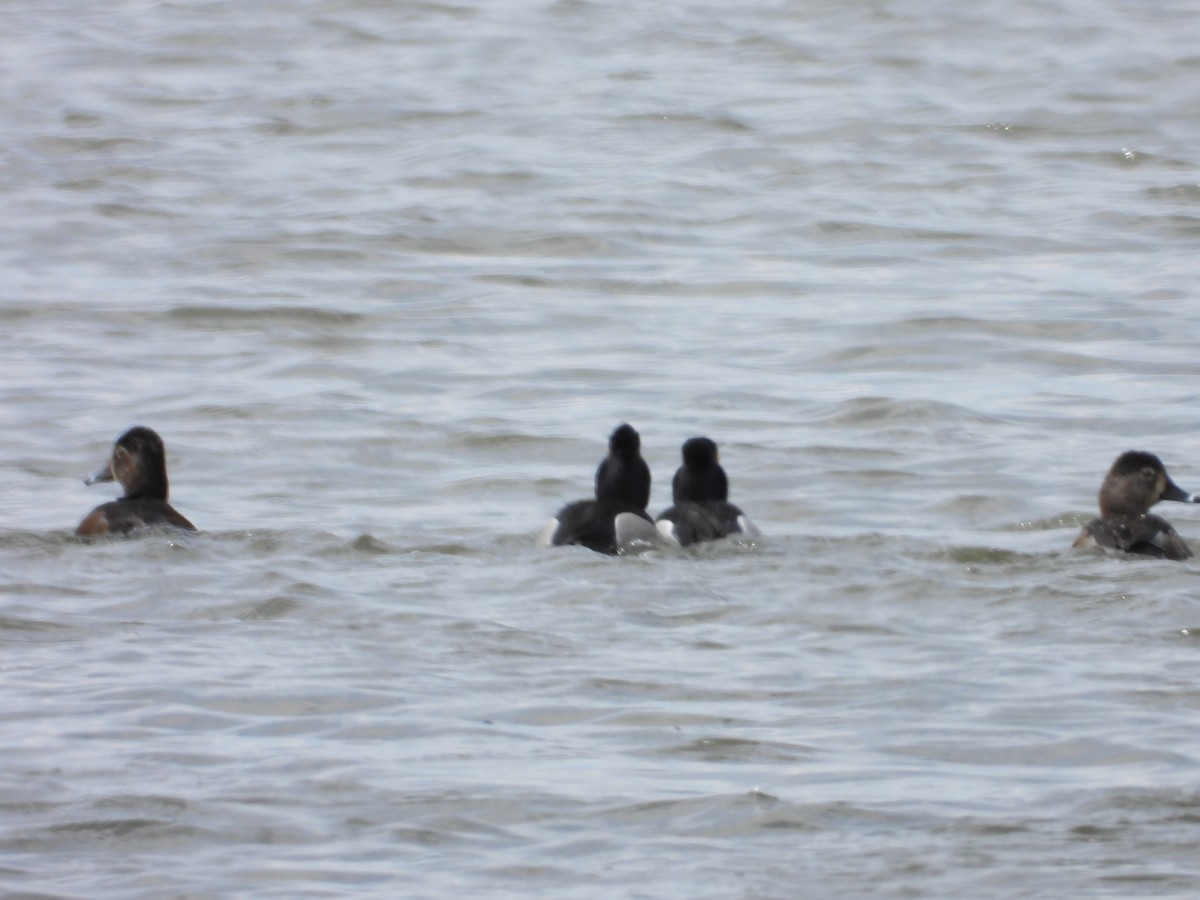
[{"x": 1148, "y": 473}]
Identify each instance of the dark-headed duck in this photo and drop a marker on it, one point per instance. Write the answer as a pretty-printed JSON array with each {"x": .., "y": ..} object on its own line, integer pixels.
[
  {"x": 139, "y": 464},
  {"x": 700, "y": 491},
  {"x": 1136, "y": 481},
  {"x": 622, "y": 486}
]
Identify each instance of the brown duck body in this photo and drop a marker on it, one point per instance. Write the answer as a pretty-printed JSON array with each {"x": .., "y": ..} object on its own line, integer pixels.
[
  {"x": 139, "y": 464},
  {"x": 127, "y": 514},
  {"x": 1136, "y": 481}
]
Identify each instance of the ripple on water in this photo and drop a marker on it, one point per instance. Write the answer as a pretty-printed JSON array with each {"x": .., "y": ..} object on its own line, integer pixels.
[{"x": 918, "y": 291}]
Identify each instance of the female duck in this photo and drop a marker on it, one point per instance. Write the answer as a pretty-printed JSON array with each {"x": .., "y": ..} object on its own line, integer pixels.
[
  {"x": 139, "y": 464},
  {"x": 1136, "y": 481},
  {"x": 622, "y": 486}
]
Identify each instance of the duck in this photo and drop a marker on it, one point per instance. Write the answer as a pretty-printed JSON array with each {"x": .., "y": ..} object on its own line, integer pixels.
[
  {"x": 622, "y": 487},
  {"x": 701, "y": 510},
  {"x": 138, "y": 462},
  {"x": 1136, "y": 481}
]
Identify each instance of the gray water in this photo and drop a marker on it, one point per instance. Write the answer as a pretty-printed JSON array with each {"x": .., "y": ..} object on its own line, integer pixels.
[{"x": 385, "y": 276}]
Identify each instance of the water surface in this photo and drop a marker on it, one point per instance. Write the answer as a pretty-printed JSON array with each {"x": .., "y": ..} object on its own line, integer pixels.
[{"x": 385, "y": 276}]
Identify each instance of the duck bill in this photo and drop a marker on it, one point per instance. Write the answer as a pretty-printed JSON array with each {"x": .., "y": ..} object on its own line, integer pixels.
[
  {"x": 1174, "y": 492},
  {"x": 104, "y": 473}
]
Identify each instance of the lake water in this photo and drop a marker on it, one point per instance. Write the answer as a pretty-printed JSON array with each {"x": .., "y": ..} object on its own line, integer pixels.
[{"x": 386, "y": 275}]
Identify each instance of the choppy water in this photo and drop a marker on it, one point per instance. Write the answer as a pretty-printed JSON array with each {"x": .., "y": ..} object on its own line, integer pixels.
[{"x": 385, "y": 275}]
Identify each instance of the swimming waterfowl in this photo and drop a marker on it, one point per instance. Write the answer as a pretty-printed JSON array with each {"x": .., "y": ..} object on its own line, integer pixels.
[
  {"x": 700, "y": 491},
  {"x": 622, "y": 486},
  {"x": 139, "y": 464},
  {"x": 1136, "y": 481}
]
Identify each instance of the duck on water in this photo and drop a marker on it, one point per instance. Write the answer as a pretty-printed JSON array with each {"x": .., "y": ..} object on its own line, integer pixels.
[
  {"x": 622, "y": 487},
  {"x": 1136, "y": 481},
  {"x": 138, "y": 463},
  {"x": 700, "y": 511}
]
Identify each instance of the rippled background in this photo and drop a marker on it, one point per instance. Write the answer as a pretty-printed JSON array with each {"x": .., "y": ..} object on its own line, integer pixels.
[{"x": 385, "y": 276}]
